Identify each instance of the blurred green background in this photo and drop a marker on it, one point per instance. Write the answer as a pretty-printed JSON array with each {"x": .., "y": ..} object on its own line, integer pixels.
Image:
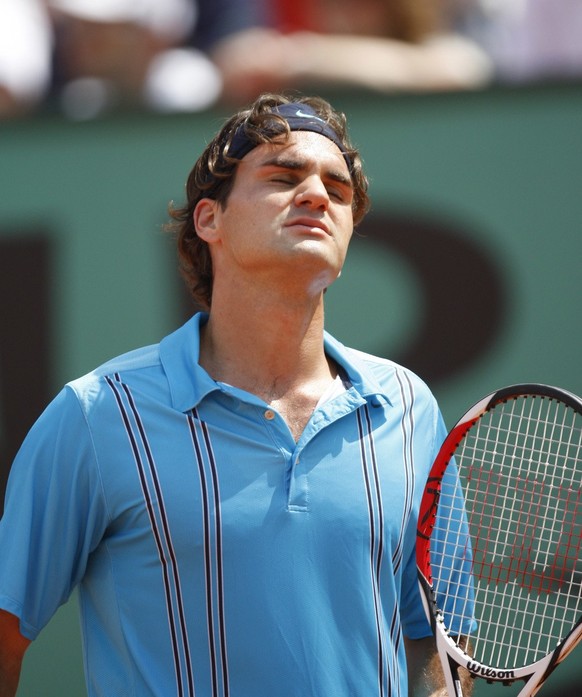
[{"x": 468, "y": 269}]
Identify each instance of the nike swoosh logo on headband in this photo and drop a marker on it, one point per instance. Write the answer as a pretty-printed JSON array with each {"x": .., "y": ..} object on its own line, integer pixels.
[{"x": 301, "y": 114}]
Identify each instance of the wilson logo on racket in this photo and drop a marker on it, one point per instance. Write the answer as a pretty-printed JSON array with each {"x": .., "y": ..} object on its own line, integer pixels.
[{"x": 491, "y": 673}]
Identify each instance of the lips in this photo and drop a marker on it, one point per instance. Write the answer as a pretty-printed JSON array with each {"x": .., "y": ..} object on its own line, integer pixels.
[{"x": 310, "y": 223}]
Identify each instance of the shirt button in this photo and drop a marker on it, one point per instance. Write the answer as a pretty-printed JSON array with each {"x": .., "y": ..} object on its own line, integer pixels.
[{"x": 269, "y": 414}]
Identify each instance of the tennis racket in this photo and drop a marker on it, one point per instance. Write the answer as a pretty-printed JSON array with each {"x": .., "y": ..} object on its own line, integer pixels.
[{"x": 499, "y": 538}]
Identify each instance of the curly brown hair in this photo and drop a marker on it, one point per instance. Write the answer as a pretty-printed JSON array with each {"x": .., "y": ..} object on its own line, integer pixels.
[{"x": 213, "y": 177}]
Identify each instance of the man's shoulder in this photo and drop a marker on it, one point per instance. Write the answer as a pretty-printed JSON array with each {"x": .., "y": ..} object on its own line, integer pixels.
[
  {"x": 159, "y": 372},
  {"x": 138, "y": 359},
  {"x": 126, "y": 366},
  {"x": 398, "y": 383},
  {"x": 374, "y": 361},
  {"x": 384, "y": 369}
]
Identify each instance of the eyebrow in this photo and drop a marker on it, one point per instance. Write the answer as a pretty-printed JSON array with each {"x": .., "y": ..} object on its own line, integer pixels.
[{"x": 285, "y": 161}]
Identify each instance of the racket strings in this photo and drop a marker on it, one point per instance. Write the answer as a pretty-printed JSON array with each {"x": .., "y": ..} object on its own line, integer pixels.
[{"x": 520, "y": 473}]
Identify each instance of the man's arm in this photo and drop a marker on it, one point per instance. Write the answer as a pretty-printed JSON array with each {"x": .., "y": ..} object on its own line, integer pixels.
[
  {"x": 425, "y": 674},
  {"x": 12, "y": 648}
]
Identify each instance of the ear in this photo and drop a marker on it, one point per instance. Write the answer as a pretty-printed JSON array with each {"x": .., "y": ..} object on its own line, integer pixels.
[{"x": 204, "y": 218}]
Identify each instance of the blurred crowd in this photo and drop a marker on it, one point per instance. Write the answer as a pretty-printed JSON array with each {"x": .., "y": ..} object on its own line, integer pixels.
[{"x": 86, "y": 57}]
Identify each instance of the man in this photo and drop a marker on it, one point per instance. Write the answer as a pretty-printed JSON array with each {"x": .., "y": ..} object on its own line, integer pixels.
[{"x": 238, "y": 503}]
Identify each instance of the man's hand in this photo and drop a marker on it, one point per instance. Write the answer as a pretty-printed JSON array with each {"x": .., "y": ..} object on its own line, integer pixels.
[
  {"x": 425, "y": 674},
  {"x": 12, "y": 648}
]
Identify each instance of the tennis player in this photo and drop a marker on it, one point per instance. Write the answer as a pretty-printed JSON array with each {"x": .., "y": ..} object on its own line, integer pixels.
[{"x": 237, "y": 505}]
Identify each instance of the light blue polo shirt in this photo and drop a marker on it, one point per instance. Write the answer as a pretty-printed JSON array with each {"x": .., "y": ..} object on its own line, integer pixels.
[{"x": 215, "y": 556}]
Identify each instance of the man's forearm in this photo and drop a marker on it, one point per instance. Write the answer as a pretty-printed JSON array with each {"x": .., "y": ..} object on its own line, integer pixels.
[
  {"x": 12, "y": 648},
  {"x": 9, "y": 675}
]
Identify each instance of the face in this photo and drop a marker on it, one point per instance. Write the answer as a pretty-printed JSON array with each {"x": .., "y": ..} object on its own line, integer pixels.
[{"x": 288, "y": 217}]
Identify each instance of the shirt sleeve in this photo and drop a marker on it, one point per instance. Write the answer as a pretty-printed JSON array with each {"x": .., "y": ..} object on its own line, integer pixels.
[{"x": 54, "y": 515}]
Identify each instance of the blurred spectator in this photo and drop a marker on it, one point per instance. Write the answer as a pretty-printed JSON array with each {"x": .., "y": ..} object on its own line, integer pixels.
[
  {"x": 110, "y": 53},
  {"x": 25, "y": 48},
  {"x": 184, "y": 55},
  {"x": 383, "y": 45},
  {"x": 528, "y": 40},
  {"x": 115, "y": 52}
]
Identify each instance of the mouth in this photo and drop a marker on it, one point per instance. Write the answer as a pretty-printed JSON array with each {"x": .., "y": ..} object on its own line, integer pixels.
[{"x": 311, "y": 223}]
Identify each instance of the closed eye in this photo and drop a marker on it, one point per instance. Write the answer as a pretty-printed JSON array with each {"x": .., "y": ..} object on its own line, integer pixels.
[
  {"x": 336, "y": 193},
  {"x": 283, "y": 180},
  {"x": 289, "y": 172}
]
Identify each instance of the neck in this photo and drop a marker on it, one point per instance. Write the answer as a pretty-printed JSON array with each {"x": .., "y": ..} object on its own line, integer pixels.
[{"x": 270, "y": 347}]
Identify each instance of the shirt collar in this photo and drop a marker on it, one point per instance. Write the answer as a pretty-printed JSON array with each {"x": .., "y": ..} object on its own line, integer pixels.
[
  {"x": 179, "y": 354},
  {"x": 190, "y": 383},
  {"x": 359, "y": 374}
]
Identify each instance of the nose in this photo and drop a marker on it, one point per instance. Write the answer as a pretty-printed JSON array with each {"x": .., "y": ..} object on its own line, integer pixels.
[{"x": 312, "y": 194}]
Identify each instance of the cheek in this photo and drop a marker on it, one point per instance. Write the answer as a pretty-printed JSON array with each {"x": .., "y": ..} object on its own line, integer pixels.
[
  {"x": 255, "y": 218},
  {"x": 346, "y": 225},
  {"x": 246, "y": 230}
]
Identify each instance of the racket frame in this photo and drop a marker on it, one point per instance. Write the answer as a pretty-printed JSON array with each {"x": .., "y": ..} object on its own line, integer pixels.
[{"x": 452, "y": 656}]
